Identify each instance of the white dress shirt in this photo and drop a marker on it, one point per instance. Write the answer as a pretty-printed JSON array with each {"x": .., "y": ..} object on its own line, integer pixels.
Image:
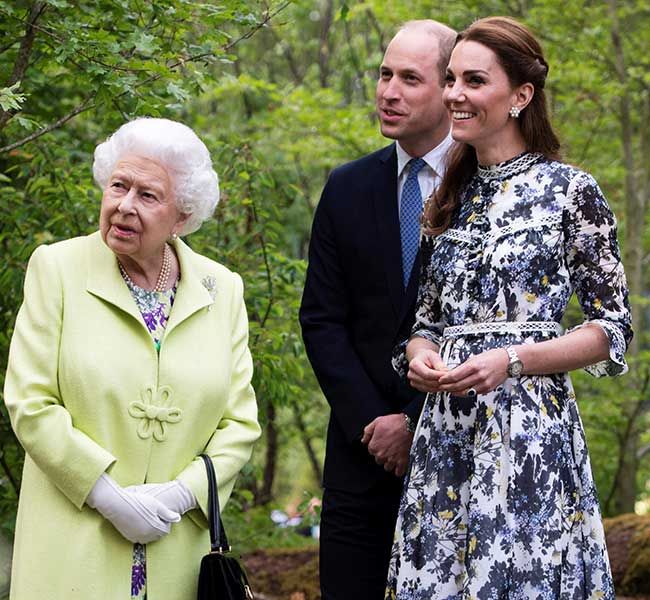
[{"x": 430, "y": 176}]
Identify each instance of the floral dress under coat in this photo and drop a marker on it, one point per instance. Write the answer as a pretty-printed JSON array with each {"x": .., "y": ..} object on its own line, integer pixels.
[
  {"x": 155, "y": 308},
  {"x": 499, "y": 501}
]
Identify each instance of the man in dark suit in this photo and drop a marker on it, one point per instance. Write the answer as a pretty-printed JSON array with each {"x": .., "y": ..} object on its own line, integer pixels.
[{"x": 359, "y": 302}]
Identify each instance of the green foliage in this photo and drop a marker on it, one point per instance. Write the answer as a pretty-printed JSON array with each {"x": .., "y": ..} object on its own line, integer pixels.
[
  {"x": 10, "y": 99},
  {"x": 280, "y": 95},
  {"x": 119, "y": 58},
  {"x": 311, "y": 113},
  {"x": 104, "y": 63},
  {"x": 254, "y": 529}
]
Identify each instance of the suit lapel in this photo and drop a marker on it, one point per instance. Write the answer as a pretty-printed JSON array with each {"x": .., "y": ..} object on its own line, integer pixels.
[
  {"x": 384, "y": 195},
  {"x": 409, "y": 298}
]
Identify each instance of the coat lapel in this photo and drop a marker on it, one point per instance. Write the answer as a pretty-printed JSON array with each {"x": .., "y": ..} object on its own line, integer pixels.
[
  {"x": 195, "y": 289},
  {"x": 384, "y": 194},
  {"x": 104, "y": 279}
]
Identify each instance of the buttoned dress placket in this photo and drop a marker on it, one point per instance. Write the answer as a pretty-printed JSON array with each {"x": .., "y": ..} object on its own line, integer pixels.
[{"x": 474, "y": 224}]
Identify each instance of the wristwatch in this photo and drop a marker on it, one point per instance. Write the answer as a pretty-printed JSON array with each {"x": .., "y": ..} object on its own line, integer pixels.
[
  {"x": 410, "y": 424},
  {"x": 515, "y": 366}
]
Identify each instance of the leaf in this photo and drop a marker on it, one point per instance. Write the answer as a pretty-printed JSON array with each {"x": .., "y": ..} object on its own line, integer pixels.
[
  {"x": 10, "y": 99},
  {"x": 145, "y": 43},
  {"x": 177, "y": 92}
]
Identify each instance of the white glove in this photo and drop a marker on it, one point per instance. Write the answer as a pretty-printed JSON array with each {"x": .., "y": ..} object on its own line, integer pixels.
[
  {"x": 138, "y": 517},
  {"x": 175, "y": 495}
]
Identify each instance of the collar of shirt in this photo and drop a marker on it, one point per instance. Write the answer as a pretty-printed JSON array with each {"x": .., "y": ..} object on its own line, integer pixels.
[
  {"x": 434, "y": 158},
  {"x": 427, "y": 180}
]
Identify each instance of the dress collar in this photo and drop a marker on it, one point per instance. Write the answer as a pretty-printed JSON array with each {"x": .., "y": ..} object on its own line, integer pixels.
[{"x": 511, "y": 167}]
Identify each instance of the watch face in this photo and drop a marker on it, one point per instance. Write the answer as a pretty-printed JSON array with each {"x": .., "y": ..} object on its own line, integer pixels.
[{"x": 515, "y": 368}]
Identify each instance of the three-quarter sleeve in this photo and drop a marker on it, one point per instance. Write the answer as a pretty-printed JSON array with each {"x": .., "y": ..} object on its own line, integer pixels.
[
  {"x": 596, "y": 270},
  {"x": 428, "y": 324}
]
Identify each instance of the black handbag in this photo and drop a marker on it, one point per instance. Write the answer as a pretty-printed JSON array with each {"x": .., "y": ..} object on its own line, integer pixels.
[{"x": 221, "y": 577}]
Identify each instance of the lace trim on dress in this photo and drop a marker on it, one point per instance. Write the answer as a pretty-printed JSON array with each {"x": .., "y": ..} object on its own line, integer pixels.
[
  {"x": 466, "y": 237},
  {"x": 504, "y": 327},
  {"x": 509, "y": 168},
  {"x": 616, "y": 363},
  {"x": 458, "y": 235},
  {"x": 536, "y": 223}
]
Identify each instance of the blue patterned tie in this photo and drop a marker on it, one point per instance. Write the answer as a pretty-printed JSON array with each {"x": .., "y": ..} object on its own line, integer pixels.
[{"x": 410, "y": 210}]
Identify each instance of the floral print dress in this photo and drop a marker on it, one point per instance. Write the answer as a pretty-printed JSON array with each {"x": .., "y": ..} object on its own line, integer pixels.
[
  {"x": 155, "y": 308},
  {"x": 499, "y": 501}
]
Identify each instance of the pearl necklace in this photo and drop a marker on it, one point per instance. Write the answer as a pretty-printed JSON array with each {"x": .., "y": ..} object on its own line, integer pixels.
[{"x": 163, "y": 276}]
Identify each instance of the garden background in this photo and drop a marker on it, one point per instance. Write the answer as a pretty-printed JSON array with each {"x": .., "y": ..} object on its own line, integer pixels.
[{"x": 281, "y": 92}]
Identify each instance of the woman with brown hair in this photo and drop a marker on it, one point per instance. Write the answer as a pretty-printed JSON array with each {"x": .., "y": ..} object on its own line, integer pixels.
[{"x": 499, "y": 501}]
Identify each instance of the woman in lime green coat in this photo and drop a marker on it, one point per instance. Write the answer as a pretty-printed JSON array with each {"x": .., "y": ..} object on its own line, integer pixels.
[{"x": 129, "y": 359}]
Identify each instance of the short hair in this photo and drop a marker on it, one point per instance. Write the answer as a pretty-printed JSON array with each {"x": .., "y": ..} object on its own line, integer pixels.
[
  {"x": 179, "y": 150},
  {"x": 446, "y": 37}
]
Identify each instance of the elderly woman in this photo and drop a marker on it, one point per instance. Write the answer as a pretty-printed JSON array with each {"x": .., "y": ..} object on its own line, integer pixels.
[
  {"x": 500, "y": 500},
  {"x": 129, "y": 359}
]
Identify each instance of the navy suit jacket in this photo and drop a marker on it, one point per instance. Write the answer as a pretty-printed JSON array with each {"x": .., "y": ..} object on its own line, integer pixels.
[{"x": 355, "y": 309}]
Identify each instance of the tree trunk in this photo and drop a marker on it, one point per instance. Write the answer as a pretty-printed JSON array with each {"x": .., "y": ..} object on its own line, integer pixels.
[
  {"x": 265, "y": 492},
  {"x": 624, "y": 493},
  {"x": 24, "y": 52},
  {"x": 306, "y": 440},
  {"x": 324, "y": 46}
]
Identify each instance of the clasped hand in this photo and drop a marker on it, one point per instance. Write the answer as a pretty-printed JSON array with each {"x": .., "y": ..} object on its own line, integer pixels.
[
  {"x": 389, "y": 442},
  {"x": 482, "y": 372},
  {"x": 175, "y": 495},
  {"x": 139, "y": 516}
]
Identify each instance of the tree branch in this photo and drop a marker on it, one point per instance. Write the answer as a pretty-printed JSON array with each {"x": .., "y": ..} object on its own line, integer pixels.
[
  {"x": 11, "y": 44},
  {"x": 88, "y": 103},
  {"x": 356, "y": 63},
  {"x": 262, "y": 23},
  {"x": 84, "y": 106},
  {"x": 324, "y": 48},
  {"x": 287, "y": 51},
  {"x": 592, "y": 133},
  {"x": 377, "y": 27},
  {"x": 22, "y": 60}
]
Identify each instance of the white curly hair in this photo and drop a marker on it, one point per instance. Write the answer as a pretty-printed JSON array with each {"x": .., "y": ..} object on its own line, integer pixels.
[{"x": 179, "y": 150}]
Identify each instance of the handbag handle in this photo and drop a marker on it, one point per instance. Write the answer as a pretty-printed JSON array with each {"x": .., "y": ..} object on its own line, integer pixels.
[{"x": 218, "y": 538}]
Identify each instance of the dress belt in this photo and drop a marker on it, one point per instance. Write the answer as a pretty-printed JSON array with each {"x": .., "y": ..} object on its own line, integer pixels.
[{"x": 503, "y": 327}]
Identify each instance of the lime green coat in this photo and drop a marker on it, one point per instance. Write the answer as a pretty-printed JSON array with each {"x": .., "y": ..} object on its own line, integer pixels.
[{"x": 87, "y": 392}]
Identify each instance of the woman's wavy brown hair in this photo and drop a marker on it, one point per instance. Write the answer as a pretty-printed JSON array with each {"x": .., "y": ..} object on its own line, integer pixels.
[{"x": 520, "y": 55}]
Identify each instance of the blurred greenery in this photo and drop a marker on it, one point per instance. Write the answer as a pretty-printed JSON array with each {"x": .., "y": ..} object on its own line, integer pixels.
[
  {"x": 253, "y": 529},
  {"x": 281, "y": 93}
]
